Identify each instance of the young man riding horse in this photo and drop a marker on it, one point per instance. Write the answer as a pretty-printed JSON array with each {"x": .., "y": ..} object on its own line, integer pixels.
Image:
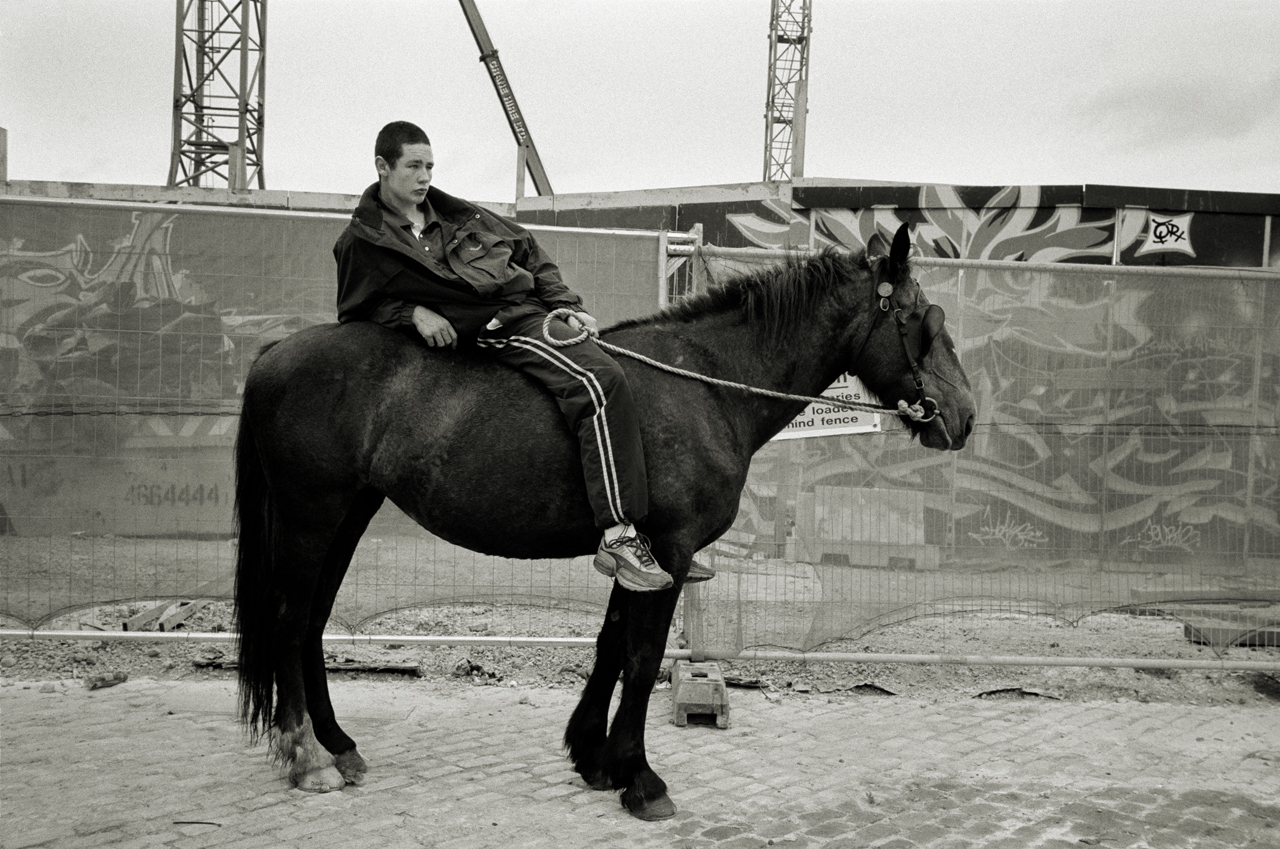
[{"x": 417, "y": 259}]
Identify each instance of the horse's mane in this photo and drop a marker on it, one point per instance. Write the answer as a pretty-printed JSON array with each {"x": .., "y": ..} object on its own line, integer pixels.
[{"x": 780, "y": 298}]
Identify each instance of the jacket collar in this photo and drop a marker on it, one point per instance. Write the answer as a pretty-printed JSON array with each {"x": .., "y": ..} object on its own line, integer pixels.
[{"x": 370, "y": 208}]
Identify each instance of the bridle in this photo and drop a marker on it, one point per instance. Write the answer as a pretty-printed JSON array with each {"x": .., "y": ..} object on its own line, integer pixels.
[
  {"x": 917, "y": 374},
  {"x": 880, "y": 296}
]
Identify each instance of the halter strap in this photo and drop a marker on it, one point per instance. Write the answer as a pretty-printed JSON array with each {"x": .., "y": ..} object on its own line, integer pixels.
[{"x": 917, "y": 375}]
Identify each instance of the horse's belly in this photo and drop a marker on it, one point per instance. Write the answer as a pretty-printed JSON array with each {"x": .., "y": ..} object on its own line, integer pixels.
[
  {"x": 503, "y": 531},
  {"x": 493, "y": 492}
]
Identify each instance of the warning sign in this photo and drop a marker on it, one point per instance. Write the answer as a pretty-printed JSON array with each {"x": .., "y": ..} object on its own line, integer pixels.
[{"x": 828, "y": 420}]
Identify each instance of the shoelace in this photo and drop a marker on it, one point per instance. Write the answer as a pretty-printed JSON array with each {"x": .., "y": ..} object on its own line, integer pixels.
[{"x": 642, "y": 551}]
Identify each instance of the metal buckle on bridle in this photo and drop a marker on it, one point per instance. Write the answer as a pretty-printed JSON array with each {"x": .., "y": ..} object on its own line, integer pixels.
[{"x": 917, "y": 412}]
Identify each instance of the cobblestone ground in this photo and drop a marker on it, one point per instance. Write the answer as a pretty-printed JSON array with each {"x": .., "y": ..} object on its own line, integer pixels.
[{"x": 164, "y": 764}]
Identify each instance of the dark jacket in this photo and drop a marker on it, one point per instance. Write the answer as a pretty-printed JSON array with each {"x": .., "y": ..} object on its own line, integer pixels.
[{"x": 495, "y": 269}]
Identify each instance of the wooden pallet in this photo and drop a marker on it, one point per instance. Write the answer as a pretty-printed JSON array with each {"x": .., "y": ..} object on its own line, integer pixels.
[{"x": 171, "y": 613}]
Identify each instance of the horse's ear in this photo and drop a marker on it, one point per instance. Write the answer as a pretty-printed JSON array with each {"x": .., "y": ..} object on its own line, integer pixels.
[
  {"x": 877, "y": 246},
  {"x": 901, "y": 245}
]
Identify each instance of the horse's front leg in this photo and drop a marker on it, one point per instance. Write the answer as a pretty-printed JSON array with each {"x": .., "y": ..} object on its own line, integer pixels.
[
  {"x": 647, "y": 622},
  {"x": 585, "y": 735}
]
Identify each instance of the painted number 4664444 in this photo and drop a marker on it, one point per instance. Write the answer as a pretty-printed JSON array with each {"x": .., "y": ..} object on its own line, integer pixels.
[{"x": 172, "y": 495}]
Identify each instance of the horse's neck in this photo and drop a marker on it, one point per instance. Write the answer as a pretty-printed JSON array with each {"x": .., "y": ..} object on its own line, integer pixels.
[{"x": 805, "y": 365}]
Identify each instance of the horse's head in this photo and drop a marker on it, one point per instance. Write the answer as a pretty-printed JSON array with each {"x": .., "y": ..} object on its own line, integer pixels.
[{"x": 908, "y": 356}]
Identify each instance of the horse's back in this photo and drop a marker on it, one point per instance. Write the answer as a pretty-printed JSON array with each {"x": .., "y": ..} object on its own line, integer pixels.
[{"x": 451, "y": 437}]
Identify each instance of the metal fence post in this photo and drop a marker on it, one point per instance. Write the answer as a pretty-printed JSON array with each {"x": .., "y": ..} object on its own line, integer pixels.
[{"x": 694, "y": 623}]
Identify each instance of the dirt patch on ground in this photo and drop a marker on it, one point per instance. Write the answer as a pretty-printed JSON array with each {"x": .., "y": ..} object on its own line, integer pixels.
[{"x": 1102, "y": 635}]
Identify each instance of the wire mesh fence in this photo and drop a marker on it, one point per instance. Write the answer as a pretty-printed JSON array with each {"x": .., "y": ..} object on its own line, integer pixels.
[
  {"x": 128, "y": 331},
  {"x": 1125, "y": 457}
]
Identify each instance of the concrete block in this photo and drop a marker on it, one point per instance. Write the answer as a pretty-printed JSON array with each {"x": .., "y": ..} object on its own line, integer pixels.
[{"x": 698, "y": 688}]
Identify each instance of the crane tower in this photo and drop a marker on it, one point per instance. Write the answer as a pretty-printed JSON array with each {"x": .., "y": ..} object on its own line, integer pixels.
[
  {"x": 790, "y": 25},
  {"x": 219, "y": 87}
]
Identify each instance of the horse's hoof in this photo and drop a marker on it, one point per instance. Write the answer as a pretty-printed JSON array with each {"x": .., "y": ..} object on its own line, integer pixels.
[
  {"x": 352, "y": 766},
  {"x": 323, "y": 780},
  {"x": 661, "y": 808}
]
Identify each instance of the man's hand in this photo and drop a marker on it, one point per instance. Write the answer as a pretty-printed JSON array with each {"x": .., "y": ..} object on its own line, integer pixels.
[
  {"x": 435, "y": 328},
  {"x": 584, "y": 321}
]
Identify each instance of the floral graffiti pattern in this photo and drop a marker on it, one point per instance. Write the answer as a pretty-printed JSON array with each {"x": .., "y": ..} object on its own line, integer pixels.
[{"x": 1118, "y": 413}]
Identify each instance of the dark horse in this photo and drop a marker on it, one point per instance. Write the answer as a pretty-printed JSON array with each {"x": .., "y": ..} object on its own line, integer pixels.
[{"x": 338, "y": 418}]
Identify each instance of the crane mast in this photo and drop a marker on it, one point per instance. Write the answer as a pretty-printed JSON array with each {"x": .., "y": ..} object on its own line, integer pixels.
[
  {"x": 219, "y": 87},
  {"x": 787, "y": 102},
  {"x": 527, "y": 152}
]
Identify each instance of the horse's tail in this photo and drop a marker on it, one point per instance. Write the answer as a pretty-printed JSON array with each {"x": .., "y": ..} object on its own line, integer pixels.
[{"x": 256, "y": 596}]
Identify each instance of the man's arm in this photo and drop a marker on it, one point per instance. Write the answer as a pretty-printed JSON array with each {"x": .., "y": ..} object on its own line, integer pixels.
[
  {"x": 360, "y": 298},
  {"x": 360, "y": 284},
  {"x": 389, "y": 312},
  {"x": 548, "y": 285}
]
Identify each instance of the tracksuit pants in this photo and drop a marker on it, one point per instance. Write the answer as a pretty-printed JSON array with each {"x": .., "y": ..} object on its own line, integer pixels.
[{"x": 596, "y": 401}]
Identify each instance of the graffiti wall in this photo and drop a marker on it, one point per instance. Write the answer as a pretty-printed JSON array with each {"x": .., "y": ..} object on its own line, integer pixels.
[
  {"x": 1125, "y": 417},
  {"x": 1126, "y": 452},
  {"x": 126, "y": 331}
]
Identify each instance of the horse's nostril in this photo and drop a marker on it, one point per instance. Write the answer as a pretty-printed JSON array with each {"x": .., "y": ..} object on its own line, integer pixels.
[{"x": 968, "y": 426}]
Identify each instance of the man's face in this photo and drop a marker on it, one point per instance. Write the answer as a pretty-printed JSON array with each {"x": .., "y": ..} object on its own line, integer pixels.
[{"x": 405, "y": 184}]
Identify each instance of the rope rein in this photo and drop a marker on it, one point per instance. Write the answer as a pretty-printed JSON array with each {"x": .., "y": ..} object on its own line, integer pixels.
[{"x": 915, "y": 412}]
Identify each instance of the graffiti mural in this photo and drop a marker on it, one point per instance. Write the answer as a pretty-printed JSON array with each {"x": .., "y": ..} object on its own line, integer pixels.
[
  {"x": 126, "y": 331},
  {"x": 126, "y": 327},
  {"x": 120, "y": 328},
  {"x": 1127, "y": 442},
  {"x": 1123, "y": 419}
]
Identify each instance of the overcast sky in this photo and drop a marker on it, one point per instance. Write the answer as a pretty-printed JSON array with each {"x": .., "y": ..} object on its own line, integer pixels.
[{"x": 627, "y": 94}]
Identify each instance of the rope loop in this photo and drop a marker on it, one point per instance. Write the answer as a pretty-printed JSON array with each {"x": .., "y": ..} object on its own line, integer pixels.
[{"x": 561, "y": 343}]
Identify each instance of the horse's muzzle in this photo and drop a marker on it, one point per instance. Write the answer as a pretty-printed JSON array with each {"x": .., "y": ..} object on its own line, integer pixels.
[{"x": 940, "y": 434}]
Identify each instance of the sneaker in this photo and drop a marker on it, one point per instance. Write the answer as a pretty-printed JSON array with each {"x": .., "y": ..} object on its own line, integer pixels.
[
  {"x": 699, "y": 572},
  {"x": 629, "y": 561}
]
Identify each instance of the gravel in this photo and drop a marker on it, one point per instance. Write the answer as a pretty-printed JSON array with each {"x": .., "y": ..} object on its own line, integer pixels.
[{"x": 35, "y": 662}]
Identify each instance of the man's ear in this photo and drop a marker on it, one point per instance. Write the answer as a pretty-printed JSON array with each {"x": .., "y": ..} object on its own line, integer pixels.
[{"x": 381, "y": 165}]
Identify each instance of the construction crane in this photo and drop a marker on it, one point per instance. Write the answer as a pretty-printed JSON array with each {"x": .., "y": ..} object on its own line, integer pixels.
[
  {"x": 787, "y": 103},
  {"x": 526, "y": 151},
  {"x": 219, "y": 87}
]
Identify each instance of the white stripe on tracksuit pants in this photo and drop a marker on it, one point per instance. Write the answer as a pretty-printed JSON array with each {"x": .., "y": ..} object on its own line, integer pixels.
[{"x": 596, "y": 401}]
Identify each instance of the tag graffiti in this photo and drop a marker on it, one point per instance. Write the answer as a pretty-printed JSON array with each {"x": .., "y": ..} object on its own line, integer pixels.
[
  {"x": 1009, "y": 533},
  {"x": 1168, "y": 233},
  {"x": 1157, "y": 537}
]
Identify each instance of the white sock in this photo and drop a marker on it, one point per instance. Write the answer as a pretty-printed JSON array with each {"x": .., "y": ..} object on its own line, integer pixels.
[{"x": 611, "y": 534}]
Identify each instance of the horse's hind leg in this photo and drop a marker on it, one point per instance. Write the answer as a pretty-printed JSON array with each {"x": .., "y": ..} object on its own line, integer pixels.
[
  {"x": 585, "y": 735},
  {"x": 324, "y": 723},
  {"x": 300, "y": 553},
  {"x": 305, "y": 533}
]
